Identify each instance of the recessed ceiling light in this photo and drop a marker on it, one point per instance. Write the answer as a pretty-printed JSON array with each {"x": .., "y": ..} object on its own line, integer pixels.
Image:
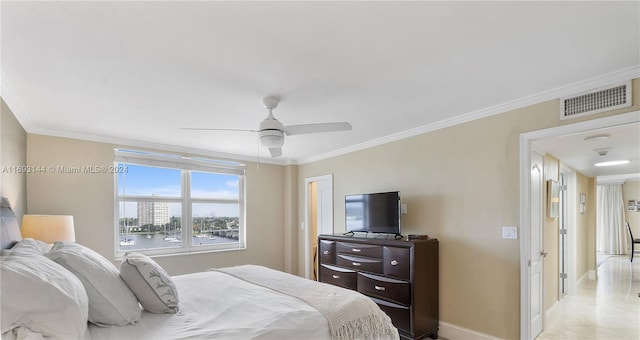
[
  {"x": 602, "y": 136},
  {"x": 612, "y": 163}
]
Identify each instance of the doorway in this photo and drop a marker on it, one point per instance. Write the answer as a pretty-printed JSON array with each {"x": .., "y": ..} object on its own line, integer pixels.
[
  {"x": 318, "y": 214},
  {"x": 528, "y": 297}
]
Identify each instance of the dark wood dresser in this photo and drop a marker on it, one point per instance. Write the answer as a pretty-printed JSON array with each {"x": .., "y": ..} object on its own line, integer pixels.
[{"x": 401, "y": 276}]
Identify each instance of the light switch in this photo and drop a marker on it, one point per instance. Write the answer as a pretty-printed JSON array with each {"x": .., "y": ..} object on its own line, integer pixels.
[
  {"x": 510, "y": 233},
  {"x": 403, "y": 209}
]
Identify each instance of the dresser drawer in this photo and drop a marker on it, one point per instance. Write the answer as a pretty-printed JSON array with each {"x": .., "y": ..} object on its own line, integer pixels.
[
  {"x": 397, "y": 262},
  {"x": 338, "y": 276},
  {"x": 400, "y": 315},
  {"x": 360, "y": 263},
  {"x": 366, "y": 250},
  {"x": 385, "y": 288},
  {"x": 327, "y": 251}
]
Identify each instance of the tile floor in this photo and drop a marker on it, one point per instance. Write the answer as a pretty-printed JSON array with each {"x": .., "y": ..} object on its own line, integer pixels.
[{"x": 607, "y": 308}]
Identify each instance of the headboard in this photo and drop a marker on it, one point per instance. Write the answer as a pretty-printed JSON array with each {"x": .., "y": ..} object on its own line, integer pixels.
[{"x": 9, "y": 228}]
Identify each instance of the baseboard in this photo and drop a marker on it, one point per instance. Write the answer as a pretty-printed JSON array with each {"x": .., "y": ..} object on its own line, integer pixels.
[
  {"x": 550, "y": 310},
  {"x": 453, "y": 332},
  {"x": 582, "y": 280},
  {"x": 592, "y": 275}
]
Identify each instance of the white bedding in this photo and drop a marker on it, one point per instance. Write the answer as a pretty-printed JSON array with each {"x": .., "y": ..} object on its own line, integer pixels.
[{"x": 215, "y": 305}]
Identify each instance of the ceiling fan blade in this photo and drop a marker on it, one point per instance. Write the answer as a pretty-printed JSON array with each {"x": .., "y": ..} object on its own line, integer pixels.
[
  {"x": 275, "y": 152},
  {"x": 207, "y": 129},
  {"x": 315, "y": 128}
]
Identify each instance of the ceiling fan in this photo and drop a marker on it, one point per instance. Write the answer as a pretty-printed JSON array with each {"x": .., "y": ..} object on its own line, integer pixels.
[{"x": 272, "y": 132}]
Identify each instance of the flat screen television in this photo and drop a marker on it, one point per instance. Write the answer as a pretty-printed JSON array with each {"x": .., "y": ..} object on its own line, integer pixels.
[{"x": 373, "y": 213}]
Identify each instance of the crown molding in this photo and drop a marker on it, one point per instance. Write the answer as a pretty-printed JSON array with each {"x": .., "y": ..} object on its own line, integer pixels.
[
  {"x": 559, "y": 92},
  {"x": 11, "y": 99},
  {"x": 128, "y": 143}
]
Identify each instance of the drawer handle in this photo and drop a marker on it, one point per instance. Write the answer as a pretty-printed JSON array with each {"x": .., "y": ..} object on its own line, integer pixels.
[
  {"x": 356, "y": 250},
  {"x": 326, "y": 252},
  {"x": 357, "y": 264},
  {"x": 336, "y": 276},
  {"x": 382, "y": 289},
  {"x": 394, "y": 262}
]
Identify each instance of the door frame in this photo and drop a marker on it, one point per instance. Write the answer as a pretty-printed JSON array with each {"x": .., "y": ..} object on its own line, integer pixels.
[
  {"x": 307, "y": 220},
  {"x": 526, "y": 141}
]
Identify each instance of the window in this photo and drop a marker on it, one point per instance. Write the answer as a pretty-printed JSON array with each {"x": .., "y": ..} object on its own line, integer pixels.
[{"x": 171, "y": 204}]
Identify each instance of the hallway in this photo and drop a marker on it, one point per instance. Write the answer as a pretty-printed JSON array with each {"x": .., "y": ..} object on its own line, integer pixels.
[{"x": 607, "y": 308}]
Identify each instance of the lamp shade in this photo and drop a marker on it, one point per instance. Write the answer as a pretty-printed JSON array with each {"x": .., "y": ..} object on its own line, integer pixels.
[{"x": 48, "y": 228}]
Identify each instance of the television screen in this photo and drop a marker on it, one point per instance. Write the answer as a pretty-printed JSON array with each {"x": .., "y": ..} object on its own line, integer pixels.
[{"x": 375, "y": 213}]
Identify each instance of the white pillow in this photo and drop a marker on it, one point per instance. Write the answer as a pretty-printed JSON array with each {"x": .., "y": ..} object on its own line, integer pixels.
[
  {"x": 30, "y": 245},
  {"x": 150, "y": 283},
  {"x": 110, "y": 300},
  {"x": 40, "y": 295}
]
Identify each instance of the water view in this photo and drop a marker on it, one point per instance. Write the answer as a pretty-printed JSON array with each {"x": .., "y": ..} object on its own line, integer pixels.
[{"x": 158, "y": 240}]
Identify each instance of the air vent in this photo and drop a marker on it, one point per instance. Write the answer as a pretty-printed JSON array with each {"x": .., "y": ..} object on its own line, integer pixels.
[{"x": 599, "y": 100}]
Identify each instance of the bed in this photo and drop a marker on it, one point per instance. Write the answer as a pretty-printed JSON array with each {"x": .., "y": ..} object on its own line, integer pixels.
[{"x": 73, "y": 292}]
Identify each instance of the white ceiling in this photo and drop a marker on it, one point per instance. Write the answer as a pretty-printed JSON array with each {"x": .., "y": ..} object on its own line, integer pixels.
[{"x": 135, "y": 72}]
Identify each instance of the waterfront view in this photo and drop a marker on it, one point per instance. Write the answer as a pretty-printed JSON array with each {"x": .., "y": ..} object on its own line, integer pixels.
[
  {"x": 206, "y": 231},
  {"x": 151, "y": 208},
  {"x": 152, "y": 241}
]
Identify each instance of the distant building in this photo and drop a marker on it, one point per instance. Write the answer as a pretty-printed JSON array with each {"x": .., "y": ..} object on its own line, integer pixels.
[{"x": 155, "y": 213}]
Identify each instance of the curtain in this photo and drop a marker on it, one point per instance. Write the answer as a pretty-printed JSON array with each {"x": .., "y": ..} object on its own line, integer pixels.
[{"x": 610, "y": 228}]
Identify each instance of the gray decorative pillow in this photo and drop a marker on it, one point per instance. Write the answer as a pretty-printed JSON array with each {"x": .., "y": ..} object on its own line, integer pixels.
[{"x": 150, "y": 283}]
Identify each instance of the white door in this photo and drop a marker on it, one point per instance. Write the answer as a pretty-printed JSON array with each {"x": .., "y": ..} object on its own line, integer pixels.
[{"x": 537, "y": 253}]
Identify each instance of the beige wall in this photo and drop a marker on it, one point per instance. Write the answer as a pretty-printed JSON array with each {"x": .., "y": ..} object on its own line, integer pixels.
[
  {"x": 13, "y": 152},
  {"x": 583, "y": 226},
  {"x": 591, "y": 223},
  {"x": 90, "y": 199},
  {"x": 631, "y": 191},
  {"x": 461, "y": 185},
  {"x": 290, "y": 218}
]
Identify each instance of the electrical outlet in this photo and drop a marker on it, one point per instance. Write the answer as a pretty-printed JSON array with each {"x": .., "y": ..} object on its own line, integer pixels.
[{"x": 510, "y": 233}]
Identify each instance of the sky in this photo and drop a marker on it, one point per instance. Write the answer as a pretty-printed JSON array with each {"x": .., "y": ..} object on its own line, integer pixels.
[{"x": 148, "y": 181}]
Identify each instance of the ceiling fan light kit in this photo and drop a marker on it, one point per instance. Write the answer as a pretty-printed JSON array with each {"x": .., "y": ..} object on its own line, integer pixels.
[{"x": 271, "y": 139}]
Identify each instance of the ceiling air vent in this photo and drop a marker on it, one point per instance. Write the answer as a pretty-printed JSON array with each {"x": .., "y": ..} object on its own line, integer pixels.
[{"x": 598, "y": 100}]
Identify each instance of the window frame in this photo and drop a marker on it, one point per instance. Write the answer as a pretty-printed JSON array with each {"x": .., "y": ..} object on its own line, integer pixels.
[{"x": 186, "y": 165}]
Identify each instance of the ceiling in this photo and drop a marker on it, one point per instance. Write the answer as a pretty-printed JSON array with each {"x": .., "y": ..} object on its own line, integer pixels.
[{"x": 136, "y": 72}]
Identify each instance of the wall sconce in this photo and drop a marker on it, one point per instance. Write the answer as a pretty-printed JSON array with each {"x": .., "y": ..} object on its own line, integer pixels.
[
  {"x": 583, "y": 202},
  {"x": 48, "y": 228}
]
